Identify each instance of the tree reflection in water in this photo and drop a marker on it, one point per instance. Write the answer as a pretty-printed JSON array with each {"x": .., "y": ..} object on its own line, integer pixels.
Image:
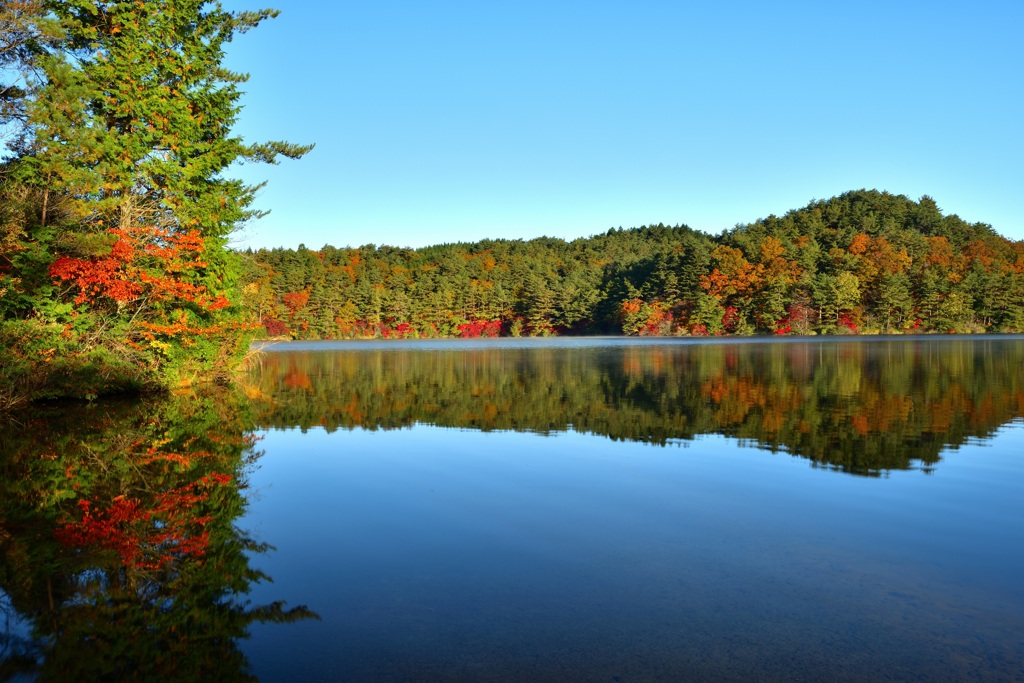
[
  {"x": 119, "y": 554},
  {"x": 120, "y": 557},
  {"x": 863, "y": 406}
]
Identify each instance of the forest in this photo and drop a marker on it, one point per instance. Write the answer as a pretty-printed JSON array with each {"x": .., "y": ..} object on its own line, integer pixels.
[{"x": 865, "y": 262}]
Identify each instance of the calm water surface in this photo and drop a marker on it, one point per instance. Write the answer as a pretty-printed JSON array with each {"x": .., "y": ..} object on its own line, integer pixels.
[
  {"x": 642, "y": 511},
  {"x": 606, "y": 510}
]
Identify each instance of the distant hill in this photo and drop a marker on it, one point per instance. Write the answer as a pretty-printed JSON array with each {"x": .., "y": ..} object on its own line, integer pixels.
[{"x": 863, "y": 262}]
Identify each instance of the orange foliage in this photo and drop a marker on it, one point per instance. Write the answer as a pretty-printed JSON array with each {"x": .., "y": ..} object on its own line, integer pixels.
[
  {"x": 860, "y": 244},
  {"x": 877, "y": 257},
  {"x": 294, "y": 301},
  {"x": 151, "y": 330},
  {"x": 940, "y": 252},
  {"x": 1018, "y": 252},
  {"x": 143, "y": 261},
  {"x": 631, "y": 306},
  {"x": 860, "y": 424},
  {"x": 771, "y": 249},
  {"x": 981, "y": 253},
  {"x": 940, "y": 255},
  {"x": 733, "y": 274},
  {"x": 297, "y": 379}
]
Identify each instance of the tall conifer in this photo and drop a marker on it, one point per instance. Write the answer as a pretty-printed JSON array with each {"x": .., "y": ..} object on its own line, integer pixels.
[{"x": 132, "y": 129}]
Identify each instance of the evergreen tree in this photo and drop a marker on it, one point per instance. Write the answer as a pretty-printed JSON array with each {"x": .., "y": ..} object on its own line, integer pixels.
[
  {"x": 25, "y": 31},
  {"x": 130, "y": 136},
  {"x": 895, "y": 303}
]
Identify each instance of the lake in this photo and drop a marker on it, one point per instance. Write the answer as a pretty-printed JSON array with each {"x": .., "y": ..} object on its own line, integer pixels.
[{"x": 555, "y": 509}]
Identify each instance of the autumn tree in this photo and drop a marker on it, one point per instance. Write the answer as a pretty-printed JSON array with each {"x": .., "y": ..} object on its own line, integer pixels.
[
  {"x": 131, "y": 130},
  {"x": 120, "y": 544}
]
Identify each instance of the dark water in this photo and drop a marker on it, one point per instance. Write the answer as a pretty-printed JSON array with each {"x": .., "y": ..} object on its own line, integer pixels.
[{"x": 598, "y": 510}]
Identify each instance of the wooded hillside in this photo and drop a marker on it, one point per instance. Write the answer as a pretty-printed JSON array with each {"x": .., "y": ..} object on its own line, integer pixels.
[{"x": 863, "y": 262}]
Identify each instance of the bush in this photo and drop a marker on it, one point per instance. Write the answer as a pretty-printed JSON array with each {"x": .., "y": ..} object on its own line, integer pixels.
[{"x": 45, "y": 361}]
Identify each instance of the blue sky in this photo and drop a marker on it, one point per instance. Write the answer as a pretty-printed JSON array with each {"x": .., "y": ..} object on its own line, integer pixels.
[{"x": 457, "y": 121}]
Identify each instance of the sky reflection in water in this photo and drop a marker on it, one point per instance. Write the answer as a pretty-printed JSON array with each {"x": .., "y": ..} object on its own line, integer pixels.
[{"x": 451, "y": 553}]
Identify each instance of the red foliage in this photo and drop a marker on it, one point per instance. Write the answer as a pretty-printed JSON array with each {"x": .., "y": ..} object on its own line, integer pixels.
[
  {"x": 783, "y": 325},
  {"x": 99, "y": 276},
  {"x": 274, "y": 327},
  {"x": 847, "y": 322},
  {"x": 106, "y": 529},
  {"x": 799, "y": 315},
  {"x": 142, "y": 261},
  {"x": 730, "y": 319},
  {"x": 480, "y": 328},
  {"x": 401, "y": 331},
  {"x": 659, "y": 322}
]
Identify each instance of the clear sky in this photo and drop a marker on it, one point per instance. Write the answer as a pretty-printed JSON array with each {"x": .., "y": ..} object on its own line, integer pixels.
[{"x": 439, "y": 121}]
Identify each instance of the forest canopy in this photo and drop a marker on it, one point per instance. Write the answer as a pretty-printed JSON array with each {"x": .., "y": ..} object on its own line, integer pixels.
[{"x": 863, "y": 262}]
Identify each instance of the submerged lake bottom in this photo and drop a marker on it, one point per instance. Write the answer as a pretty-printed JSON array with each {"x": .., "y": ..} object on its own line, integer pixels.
[{"x": 532, "y": 510}]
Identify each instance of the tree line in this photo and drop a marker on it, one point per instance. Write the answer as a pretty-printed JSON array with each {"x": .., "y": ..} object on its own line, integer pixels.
[{"x": 863, "y": 262}]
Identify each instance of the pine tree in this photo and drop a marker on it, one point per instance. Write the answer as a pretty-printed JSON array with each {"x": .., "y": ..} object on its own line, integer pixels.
[
  {"x": 132, "y": 129},
  {"x": 25, "y": 30}
]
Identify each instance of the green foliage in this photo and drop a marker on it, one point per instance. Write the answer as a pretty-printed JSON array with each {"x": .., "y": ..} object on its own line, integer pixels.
[
  {"x": 115, "y": 211},
  {"x": 136, "y": 112},
  {"x": 864, "y": 261},
  {"x": 45, "y": 361},
  {"x": 708, "y": 314},
  {"x": 26, "y": 31}
]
